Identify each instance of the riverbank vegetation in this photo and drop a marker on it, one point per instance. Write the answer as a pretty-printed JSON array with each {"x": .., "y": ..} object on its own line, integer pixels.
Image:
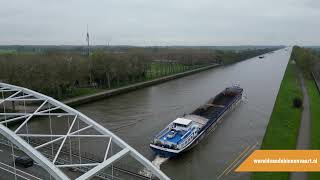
[
  {"x": 285, "y": 119},
  {"x": 64, "y": 74},
  {"x": 314, "y": 96},
  {"x": 307, "y": 59},
  {"x": 283, "y": 127},
  {"x": 309, "y": 62},
  {"x": 284, "y": 123}
]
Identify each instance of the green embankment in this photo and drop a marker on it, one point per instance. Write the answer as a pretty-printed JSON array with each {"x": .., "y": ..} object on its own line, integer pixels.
[
  {"x": 81, "y": 92},
  {"x": 308, "y": 61},
  {"x": 315, "y": 120},
  {"x": 157, "y": 70},
  {"x": 4, "y": 52},
  {"x": 283, "y": 127}
]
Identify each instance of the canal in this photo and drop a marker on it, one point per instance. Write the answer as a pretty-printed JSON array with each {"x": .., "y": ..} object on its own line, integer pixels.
[{"x": 138, "y": 116}]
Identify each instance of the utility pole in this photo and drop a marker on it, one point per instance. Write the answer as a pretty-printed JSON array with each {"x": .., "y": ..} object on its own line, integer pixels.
[
  {"x": 88, "y": 41},
  {"x": 88, "y": 54}
]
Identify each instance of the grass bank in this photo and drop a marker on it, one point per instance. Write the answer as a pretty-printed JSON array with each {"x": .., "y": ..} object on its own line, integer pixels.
[
  {"x": 283, "y": 127},
  {"x": 315, "y": 120},
  {"x": 81, "y": 92},
  {"x": 125, "y": 89},
  {"x": 158, "y": 69}
]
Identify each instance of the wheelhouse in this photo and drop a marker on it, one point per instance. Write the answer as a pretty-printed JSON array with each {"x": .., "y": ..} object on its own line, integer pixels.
[{"x": 181, "y": 124}]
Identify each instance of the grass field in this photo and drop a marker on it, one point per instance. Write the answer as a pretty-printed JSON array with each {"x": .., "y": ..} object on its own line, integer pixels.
[
  {"x": 156, "y": 70},
  {"x": 283, "y": 127},
  {"x": 81, "y": 92},
  {"x": 163, "y": 69},
  {"x": 2, "y": 51},
  {"x": 315, "y": 120}
]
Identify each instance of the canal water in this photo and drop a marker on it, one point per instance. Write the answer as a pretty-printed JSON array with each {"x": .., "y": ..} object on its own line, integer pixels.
[{"x": 137, "y": 116}]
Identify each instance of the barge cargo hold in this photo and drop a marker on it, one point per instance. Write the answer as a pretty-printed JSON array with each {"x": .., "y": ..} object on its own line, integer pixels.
[{"x": 185, "y": 132}]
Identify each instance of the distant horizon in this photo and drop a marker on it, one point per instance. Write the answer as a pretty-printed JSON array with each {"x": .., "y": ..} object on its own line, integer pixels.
[
  {"x": 147, "y": 45},
  {"x": 171, "y": 45}
]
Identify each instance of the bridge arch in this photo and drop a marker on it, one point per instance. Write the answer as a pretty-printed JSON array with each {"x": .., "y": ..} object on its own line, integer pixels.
[{"x": 47, "y": 106}]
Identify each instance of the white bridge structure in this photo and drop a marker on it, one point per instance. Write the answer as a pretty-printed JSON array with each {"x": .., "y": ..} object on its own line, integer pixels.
[{"x": 63, "y": 133}]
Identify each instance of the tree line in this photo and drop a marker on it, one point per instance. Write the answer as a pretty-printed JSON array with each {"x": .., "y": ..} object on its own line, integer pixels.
[
  {"x": 307, "y": 59},
  {"x": 57, "y": 74}
]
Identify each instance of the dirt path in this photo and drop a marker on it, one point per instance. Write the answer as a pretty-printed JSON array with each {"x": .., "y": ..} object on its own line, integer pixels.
[{"x": 303, "y": 141}]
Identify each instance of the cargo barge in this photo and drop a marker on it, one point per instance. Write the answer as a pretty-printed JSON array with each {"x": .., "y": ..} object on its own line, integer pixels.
[{"x": 185, "y": 132}]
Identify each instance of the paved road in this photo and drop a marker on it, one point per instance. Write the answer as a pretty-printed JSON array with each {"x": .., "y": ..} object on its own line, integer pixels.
[
  {"x": 35, "y": 172},
  {"x": 305, "y": 127},
  {"x": 7, "y": 163}
]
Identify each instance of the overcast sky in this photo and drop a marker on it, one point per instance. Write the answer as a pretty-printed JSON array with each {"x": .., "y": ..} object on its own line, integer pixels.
[{"x": 161, "y": 22}]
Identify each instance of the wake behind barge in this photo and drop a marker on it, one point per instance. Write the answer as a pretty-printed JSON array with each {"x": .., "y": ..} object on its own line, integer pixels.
[{"x": 185, "y": 132}]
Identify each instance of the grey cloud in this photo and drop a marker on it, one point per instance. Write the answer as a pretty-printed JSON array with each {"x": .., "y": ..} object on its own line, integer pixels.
[{"x": 165, "y": 22}]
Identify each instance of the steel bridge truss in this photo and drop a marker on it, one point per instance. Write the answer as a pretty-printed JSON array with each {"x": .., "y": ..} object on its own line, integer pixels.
[{"x": 21, "y": 106}]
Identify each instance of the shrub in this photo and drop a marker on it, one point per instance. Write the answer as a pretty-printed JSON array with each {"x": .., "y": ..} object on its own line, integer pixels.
[{"x": 297, "y": 102}]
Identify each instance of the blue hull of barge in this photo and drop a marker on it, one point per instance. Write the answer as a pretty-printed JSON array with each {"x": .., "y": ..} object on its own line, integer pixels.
[
  {"x": 213, "y": 117},
  {"x": 164, "y": 153}
]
